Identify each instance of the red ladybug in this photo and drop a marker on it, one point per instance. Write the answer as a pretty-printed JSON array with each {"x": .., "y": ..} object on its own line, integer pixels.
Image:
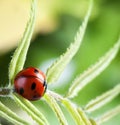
[{"x": 30, "y": 83}]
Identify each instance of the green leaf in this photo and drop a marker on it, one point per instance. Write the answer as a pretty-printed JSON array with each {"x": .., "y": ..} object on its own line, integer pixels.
[
  {"x": 55, "y": 70},
  {"x": 73, "y": 111},
  {"x": 20, "y": 53},
  {"x": 83, "y": 116},
  {"x": 87, "y": 76},
  {"x": 55, "y": 107},
  {"x": 93, "y": 122},
  {"x": 108, "y": 115},
  {"x": 30, "y": 109},
  {"x": 103, "y": 99},
  {"x": 78, "y": 114},
  {"x": 6, "y": 113}
]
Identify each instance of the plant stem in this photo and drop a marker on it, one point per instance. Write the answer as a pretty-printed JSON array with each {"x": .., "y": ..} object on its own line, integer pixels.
[
  {"x": 32, "y": 108},
  {"x": 103, "y": 99},
  {"x": 11, "y": 116},
  {"x": 55, "y": 107},
  {"x": 5, "y": 92},
  {"x": 108, "y": 115},
  {"x": 19, "y": 100}
]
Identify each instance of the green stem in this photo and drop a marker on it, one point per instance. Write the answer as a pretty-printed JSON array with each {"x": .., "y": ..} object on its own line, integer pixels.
[
  {"x": 77, "y": 114},
  {"x": 108, "y": 115},
  {"x": 5, "y": 92},
  {"x": 93, "y": 122},
  {"x": 5, "y": 112},
  {"x": 20, "y": 53},
  {"x": 55, "y": 107},
  {"x": 74, "y": 113},
  {"x": 33, "y": 109},
  {"x": 19, "y": 100},
  {"x": 103, "y": 99},
  {"x": 83, "y": 116}
]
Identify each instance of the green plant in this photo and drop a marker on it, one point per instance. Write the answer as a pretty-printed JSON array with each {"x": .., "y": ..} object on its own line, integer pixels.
[{"x": 55, "y": 100}]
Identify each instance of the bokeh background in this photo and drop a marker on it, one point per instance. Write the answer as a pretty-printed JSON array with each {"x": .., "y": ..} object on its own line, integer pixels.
[{"x": 56, "y": 25}]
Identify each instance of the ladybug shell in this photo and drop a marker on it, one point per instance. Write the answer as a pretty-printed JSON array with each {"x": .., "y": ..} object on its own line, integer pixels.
[
  {"x": 30, "y": 83},
  {"x": 31, "y": 71}
]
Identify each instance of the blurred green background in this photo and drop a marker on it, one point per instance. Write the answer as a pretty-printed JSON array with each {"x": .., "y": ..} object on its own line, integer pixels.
[{"x": 56, "y": 26}]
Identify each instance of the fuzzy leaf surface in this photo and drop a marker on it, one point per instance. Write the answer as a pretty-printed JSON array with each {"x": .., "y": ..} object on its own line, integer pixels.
[
  {"x": 108, "y": 115},
  {"x": 20, "y": 53},
  {"x": 55, "y": 107},
  {"x": 55, "y": 70},
  {"x": 87, "y": 76},
  {"x": 6, "y": 113},
  {"x": 103, "y": 99}
]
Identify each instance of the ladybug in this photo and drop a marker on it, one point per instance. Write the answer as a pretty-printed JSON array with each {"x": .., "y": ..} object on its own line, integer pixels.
[{"x": 30, "y": 83}]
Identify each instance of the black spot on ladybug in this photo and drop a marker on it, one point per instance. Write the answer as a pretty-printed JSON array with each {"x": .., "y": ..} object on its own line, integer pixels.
[
  {"x": 36, "y": 71},
  {"x": 33, "y": 86},
  {"x": 21, "y": 91}
]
